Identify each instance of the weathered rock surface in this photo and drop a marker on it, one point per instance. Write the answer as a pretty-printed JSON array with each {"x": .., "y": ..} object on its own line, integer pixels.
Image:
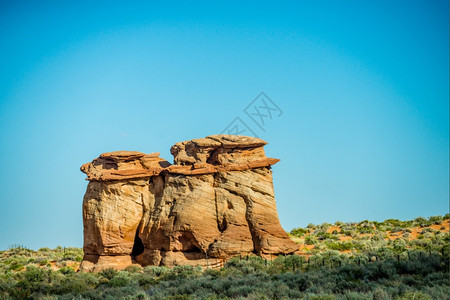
[{"x": 216, "y": 201}]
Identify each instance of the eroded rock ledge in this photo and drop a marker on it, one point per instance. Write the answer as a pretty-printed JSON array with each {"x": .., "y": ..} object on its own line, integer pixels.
[{"x": 216, "y": 201}]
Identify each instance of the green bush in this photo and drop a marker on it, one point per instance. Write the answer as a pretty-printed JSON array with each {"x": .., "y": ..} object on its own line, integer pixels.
[
  {"x": 156, "y": 271},
  {"x": 109, "y": 273},
  {"x": 340, "y": 246},
  {"x": 299, "y": 232},
  {"x": 414, "y": 296},
  {"x": 325, "y": 235},
  {"x": 120, "y": 279},
  {"x": 310, "y": 240},
  {"x": 145, "y": 280},
  {"x": 365, "y": 229},
  {"x": 134, "y": 269},
  {"x": 321, "y": 297},
  {"x": 67, "y": 270}
]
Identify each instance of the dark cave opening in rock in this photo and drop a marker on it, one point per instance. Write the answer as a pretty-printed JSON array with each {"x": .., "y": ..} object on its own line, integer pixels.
[
  {"x": 138, "y": 246},
  {"x": 195, "y": 249},
  {"x": 222, "y": 226}
]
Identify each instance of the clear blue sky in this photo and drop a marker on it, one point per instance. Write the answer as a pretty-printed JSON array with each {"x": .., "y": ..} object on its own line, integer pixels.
[{"x": 363, "y": 86}]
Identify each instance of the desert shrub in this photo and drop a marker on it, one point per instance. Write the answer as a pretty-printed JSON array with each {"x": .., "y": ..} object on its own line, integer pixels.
[
  {"x": 395, "y": 223},
  {"x": 357, "y": 296},
  {"x": 122, "y": 278},
  {"x": 179, "y": 297},
  {"x": 381, "y": 270},
  {"x": 188, "y": 271},
  {"x": 311, "y": 226},
  {"x": 422, "y": 244},
  {"x": 310, "y": 240},
  {"x": 351, "y": 272},
  {"x": 7, "y": 282},
  {"x": 32, "y": 280},
  {"x": 325, "y": 235},
  {"x": 441, "y": 291},
  {"x": 365, "y": 223},
  {"x": 365, "y": 229},
  {"x": 381, "y": 294},
  {"x": 34, "y": 275},
  {"x": 299, "y": 232},
  {"x": 125, "y": 292},
  {"x": 74, "y": 284},
  {"x": 66, "y": 270},
  {"x": 421, "y": 221},
  {"x": 253, "y": 296},
  {"x": 212, "y": 273},
  {"x": 414, "y": 295},
  {"x": 16, "y": 266},
  {"x": 145, "y": 280},
  {"x": 321, "y": 297},
  {"x": 156, "y": 271},
  {"x": 340, "y": 246},
  {"x": 293, "y": 262},
  {"x": 109, "y": 273},
  {"x": 379, "y": 238},
  {"x": 427, "y": 230},
  {"x": 247, "y": 265},
  {"x": 347, "y": 232},
  {"x": 436, "y": 219},
  {"x": 134, "y": 269},
  {"x": 41, "y": 261},
  {"x": 397, "y": 229},
  {"x": 399, "y": 245},
  {"x": 324, "y": 226},
  {"x": 384, "y": 252},
  {"x": 422, "y": 265}
]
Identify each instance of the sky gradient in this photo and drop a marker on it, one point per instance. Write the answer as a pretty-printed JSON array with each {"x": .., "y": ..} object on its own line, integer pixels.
[{"x": 363, "y": 87}]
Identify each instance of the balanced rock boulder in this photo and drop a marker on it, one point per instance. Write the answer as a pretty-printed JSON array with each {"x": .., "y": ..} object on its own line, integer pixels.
[{"x": 216, "y": 201}]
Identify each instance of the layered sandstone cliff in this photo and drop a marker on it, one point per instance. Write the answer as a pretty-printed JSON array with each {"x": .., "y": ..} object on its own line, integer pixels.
[{"x": 216, "y": 201}]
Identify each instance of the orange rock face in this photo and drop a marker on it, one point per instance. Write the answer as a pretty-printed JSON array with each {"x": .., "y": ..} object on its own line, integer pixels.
[{"x": 216, "y": 201}]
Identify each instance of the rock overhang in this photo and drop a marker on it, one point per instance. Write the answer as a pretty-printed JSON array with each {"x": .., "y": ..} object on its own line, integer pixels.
[{"x": 215, "y": 153}]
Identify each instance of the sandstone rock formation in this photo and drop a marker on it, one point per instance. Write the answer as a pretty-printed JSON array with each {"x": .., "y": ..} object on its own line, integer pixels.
[{"x": 216, "y": 201}]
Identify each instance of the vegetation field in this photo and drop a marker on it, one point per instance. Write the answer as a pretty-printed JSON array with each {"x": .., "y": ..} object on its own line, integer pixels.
[{"x": 366, "y": 260}]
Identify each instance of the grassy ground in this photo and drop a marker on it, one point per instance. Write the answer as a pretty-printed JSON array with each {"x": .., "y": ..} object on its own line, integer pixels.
[
  {"x": 18, "y": 258},
  {"x": 388, "y": 237},
  {"x": 366, "y": 260}
]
